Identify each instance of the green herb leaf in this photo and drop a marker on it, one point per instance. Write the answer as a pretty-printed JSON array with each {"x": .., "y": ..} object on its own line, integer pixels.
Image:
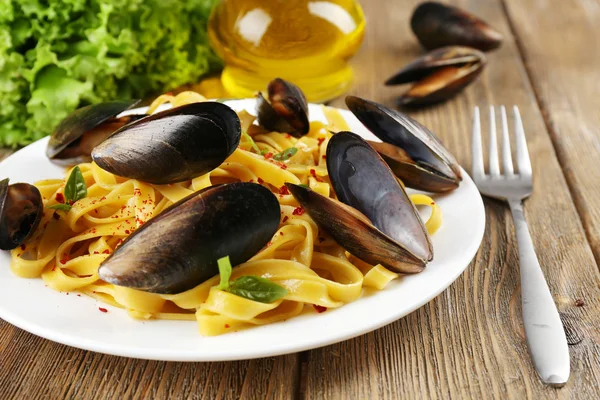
[
  {"x": 75, "y": 188},
  {"x": 286, "y": 154},
  {"x": 264, "y": 151},
  {"x": 304, "y": 186},
  {"x": 225, "y": 272},
  {"x": 252, "y": 142},
  {"x": 60, "y": 206},
  {"x": 223, "y": 100},
  {"x": 257, "y": 289}
]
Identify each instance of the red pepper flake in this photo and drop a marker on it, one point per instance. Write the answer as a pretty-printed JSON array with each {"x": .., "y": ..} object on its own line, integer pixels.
[
  {"x": 268, "y": 244},
  {"x": 226, "y": 325},
  {"x": 54, "y": 268},
  {"x": 23, "y": 247},
  {"x": 251, "y": 180},
  {"x": 298, "y": 211},
  {"x": 579, "y": 303},
  {"x": 314, "y": 174},
  {"x": 71, "y": 202},
  {"x": 268, "y": 155},
  {"x": 432, "y": 203},
  {"x": 285, "y": 218},
  {"x": 281, "y": 233},
  {"x": 78, "y": 295},
  {"x": 102, "y": 198},
  {"x": 284, "y": 190},
  {"x": 319, "y": 309},
  {"x": 260, "y": 180},
  {"x": 288, "y": 136},
  {"x": 324, "y": 157},
  {"x": 320, "y": 140},
  {"x": 282, "y": 165},
  {"x": 67, "y": 293},
  {"x": 55, "y": 215},
  {"x": 96, "y": 210},
  {"x": 127, "y": 232},
  {"x": 64, "y": 259},
  {"x": 60, "y": 197},
  {"x": 96, "y": 252},
  {"x": 45, "y": 225},
  {"x": 107, "y": 251},
  {"x": 102, "y": 309}
]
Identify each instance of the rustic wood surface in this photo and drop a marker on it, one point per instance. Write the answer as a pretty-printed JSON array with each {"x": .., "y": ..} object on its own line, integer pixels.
[{"x": 468, "y": 342}]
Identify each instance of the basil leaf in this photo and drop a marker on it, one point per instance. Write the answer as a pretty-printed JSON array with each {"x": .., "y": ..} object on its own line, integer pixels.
[
  {"x": 257, "y": 289},
  {"x": 60, "y": 206},
  {"x": 75, "y": 188},
  {"x": 223, "y": 100},
  {"x": 252, "y": 143},
  {"x": 286, "y": 154},
  {"x": 304, "y": 185},
  {"x": 225, "y": 272}
]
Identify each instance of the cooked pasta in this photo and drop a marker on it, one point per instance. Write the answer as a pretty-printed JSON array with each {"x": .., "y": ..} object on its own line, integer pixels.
[{"x": 68, "y": 247}]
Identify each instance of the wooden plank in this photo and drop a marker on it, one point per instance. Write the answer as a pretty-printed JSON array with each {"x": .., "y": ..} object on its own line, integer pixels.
[
  {"x": 561, "y": 47},
  {"x": 469, "y": 342},
  {"x": 32, "y": 367}
]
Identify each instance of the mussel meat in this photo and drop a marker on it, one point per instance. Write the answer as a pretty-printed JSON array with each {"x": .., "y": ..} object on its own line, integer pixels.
[
  {"x": 171, "y": 146},
  {"x": 411, "y": 150},
  {"x": 437, "y": 25},
  {"x": 438, "y": 75},
  {"x": 286, "y": 111},
  {"x": 75, "y": 137},
  {"x": 179, "y": 249},
  {"x": 21, "y": 209},
  {"x": 374, "y": 219}
]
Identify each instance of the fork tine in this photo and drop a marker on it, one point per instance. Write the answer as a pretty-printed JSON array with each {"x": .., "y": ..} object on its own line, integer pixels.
[
  {"x": 494, "y": 166},
  {"x": 507, "y": 163},
  {"x": 477, "y": 169},
  {"x": 523, "y": 162}
]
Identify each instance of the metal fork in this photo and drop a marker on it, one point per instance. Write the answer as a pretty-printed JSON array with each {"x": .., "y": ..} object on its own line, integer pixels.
[{"x": 543, "y": 329}]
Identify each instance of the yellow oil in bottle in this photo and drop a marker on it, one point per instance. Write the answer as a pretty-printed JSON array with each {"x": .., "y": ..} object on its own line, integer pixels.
[{"x": 304, "y": 41}]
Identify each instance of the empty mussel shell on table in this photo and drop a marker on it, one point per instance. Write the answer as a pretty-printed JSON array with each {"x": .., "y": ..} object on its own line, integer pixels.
[
  {"x": 178, "y": 249},
  {"x": 374, "y": 218},
  {"x": 438, "y": 25},
  {"x": 438, "y": 75},
  {"x": 172, "y": 146},
  {"x": 285, "y": 111},
  {"x": 21, "y": 209},
  {"x": 74, "y": 138},
  {"x": 411, "y": 150}
]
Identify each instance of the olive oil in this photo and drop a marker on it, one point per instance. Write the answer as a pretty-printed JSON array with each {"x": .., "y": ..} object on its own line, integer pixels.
[{"x": 306, "y": 42}]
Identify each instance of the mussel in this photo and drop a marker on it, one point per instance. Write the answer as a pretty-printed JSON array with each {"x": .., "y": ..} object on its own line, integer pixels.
[
  {"x": 411, "y": 150},
  {"x": 286, "y": 111},
  {"x": 171, "y": 146},
  {"x": 437, "y": 25},
  {"x": 179, "y": 249},
  {"x": 74, "y": 138},
  {"x": 375, "y": 221},
  {"x": 21, "y": 209},
  {"x": 438, "y": 75}
]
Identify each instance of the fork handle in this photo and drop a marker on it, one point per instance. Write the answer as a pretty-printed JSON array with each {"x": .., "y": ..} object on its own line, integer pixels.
[{"x": 543, "y": 328}]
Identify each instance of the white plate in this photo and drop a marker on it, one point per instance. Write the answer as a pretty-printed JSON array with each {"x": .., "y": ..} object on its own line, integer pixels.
[{"x": 76, "y": 321}]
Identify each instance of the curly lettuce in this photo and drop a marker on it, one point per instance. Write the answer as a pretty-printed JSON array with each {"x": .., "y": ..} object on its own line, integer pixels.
[{"x": 56, "y": 55}]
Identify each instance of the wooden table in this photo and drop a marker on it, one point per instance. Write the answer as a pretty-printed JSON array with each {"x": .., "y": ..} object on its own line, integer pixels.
[{"x": 468, "y": 342}]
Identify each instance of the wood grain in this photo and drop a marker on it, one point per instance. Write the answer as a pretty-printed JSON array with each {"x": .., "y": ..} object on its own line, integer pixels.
[
  {"x": 468, "y": 342},
  {"x": 561, "y": 50}
]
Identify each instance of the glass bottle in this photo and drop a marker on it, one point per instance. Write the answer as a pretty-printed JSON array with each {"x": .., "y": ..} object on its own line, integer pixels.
[{"x": 304, "y": 41}]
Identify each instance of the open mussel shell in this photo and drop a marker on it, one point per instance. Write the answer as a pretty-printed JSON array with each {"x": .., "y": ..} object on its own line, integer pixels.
[
  {"x": 21, "y": 209},
  {"x": 438, "y": 75},
  {"x": 179, "y": 249},
  {"x": 437, "y": 25},
  {"x": 411, "y": 150},
  {"x": 74, "y": 138},
  {"x": 286, "y": 111},
  {"x": 374, "y": 220},
  {"x": 171, "y": 146}
]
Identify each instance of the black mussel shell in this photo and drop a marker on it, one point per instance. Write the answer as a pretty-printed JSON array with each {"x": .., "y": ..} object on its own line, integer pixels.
[
  {"x": 21, "y": 209},
  {"x": 438, "y": 75},
  {"x": 286, "y": 111},
  {"x": 374, "y": 219},
  {"x": 411, "y": 150},
  {"x": 171, "y": 146},
  {"x": 74, "y": 138},
  {"x": 437, "y": 25},
  {"x": 178, "y": 249}
]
